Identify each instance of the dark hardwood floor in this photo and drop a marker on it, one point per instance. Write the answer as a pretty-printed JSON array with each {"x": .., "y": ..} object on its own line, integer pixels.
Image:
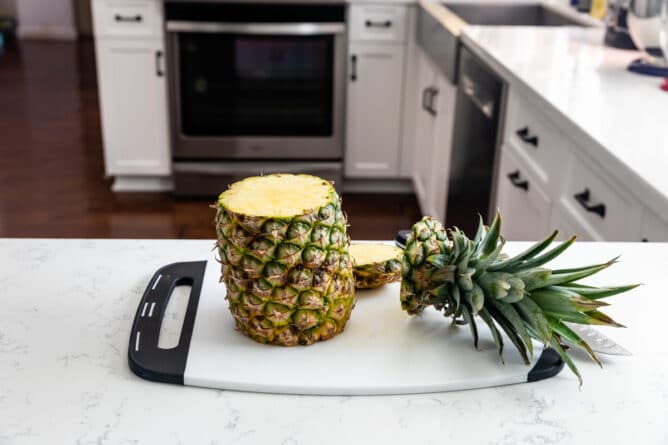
[{"x": 52, "y": 181}]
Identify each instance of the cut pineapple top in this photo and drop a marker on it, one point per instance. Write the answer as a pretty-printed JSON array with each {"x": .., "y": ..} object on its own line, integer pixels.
[
  {"x": 370, "y": 253},
  {"x": 277, "y": 195}
]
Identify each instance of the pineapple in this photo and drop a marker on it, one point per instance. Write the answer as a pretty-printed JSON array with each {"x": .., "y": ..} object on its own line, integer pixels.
[
  {"x": 375, "y": 264},
  {"x": 284, "y": 252},
  {"x": 464, "y": 278}
]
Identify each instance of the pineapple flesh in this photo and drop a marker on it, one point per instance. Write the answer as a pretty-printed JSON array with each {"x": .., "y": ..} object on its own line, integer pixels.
[
  {"x": 466, "y": 278},
  {"x": 284, "y": 253},
  {"x": 375, "y": 264}
]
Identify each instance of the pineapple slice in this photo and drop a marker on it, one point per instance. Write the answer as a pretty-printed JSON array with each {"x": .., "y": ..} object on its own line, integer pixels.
[{"x": 375, "y": 264}]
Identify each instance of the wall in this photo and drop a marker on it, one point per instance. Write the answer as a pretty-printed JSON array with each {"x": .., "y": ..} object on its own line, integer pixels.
[{"x": 46, "y": 19}]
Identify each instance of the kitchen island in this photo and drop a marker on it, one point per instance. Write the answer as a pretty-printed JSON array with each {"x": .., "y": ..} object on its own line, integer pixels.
[{"x": 66, "y": 308}]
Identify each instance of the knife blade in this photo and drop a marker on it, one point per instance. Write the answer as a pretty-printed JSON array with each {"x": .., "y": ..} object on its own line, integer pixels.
[{"x": 598, "y": 342}]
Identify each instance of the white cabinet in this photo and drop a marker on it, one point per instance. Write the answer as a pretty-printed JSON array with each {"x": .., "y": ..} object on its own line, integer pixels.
[
  {"x": 523, "y": 204},
  {"x": 377, "y": 23},
  {"x": 130, "y": 53},
  {"x": 595, "y": 198},
  {"x": 562, "y": 220},
  {"x": 653, "y": 228},
  {"x": 434, "y": 105},
  {"x": 425, "y": 124},
  {"x": 373, "y": 129},
  {"x": 439, "y": 163},
  {"x": 133, "y": 106},
  {"x": 376, "y": 59}
]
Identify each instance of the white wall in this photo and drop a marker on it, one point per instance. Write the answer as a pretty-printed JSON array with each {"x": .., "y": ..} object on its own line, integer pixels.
[{"x": 46, "y": 19}]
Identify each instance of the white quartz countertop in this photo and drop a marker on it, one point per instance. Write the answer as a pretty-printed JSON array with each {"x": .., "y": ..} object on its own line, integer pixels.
[
  {"x": 617, "y": 116},
  {"x": 66, "y": 308}
]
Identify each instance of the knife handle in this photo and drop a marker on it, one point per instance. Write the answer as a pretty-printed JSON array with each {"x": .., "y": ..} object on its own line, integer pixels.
[{"x": 145, "y": 358}]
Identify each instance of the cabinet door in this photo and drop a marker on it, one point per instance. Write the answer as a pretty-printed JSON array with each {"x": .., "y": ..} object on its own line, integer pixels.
[
  {"x": 133, "y": 100},
  {"x": 373, "y": 132},
  {"x": 653, "y": 228},
  {"x": 562, "y": 220},
  {"x": 425, "y": 124},
  {"x": 525, "y": 207},
  {"x": 439, "y": 163}
]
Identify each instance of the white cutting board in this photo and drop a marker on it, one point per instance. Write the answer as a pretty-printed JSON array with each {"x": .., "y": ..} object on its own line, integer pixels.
[{"x": 381, "y": 351}]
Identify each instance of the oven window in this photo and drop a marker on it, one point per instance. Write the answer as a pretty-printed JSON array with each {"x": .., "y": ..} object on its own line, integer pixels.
[{"x": 246, "y": 85}]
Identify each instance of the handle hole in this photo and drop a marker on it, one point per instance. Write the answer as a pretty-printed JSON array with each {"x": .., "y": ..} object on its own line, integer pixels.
[{"x": 175, "y": 313}]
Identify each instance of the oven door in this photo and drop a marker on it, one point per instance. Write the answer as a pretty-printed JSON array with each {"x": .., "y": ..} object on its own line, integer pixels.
[{"x": 256, "y": 91}]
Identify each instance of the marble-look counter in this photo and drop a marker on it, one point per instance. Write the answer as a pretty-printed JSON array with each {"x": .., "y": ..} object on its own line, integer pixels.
[{"x": 66, "y": 307}]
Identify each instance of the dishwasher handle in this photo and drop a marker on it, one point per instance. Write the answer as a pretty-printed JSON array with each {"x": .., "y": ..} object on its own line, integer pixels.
[{"x": 477, "y": 95}]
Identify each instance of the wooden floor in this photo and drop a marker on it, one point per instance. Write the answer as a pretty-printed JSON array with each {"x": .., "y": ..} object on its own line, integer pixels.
[{"x": 52, "y": 180}]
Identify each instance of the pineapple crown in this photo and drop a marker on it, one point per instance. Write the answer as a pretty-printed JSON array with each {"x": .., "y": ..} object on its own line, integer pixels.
[{"x": 464, "y": 278}]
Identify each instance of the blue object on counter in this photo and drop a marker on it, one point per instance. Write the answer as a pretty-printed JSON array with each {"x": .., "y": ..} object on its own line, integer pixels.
[{"x": 640, "y": 66}]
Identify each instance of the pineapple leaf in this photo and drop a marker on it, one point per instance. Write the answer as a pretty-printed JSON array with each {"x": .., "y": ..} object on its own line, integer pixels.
[
  {"x": 479, "y": 233},
  {"x": 471, "y": 322},
  {"x": 572, "y": 337},
  {"x": 553, "y": 299},
  {"x": 534, "y": 317},
  {"x": 534, "y": 278},
  {"x": 595, "y": 293},
  {"x": 510, "y": 332},
  {"x": 526, "y": 255},
  {"x": 591, "y": 317},
  {"x": 604, "y": 319},
  {"x": 483, "y": 262},
  {"x": 577, "y": 269},
  {"x": 509, "y": 312},
  {"x": 544, "y": 258},
  {"x": 456, "y": 296},
  {"x": 568, "y": 275},
  {"x": 565, "y": 357},
  {"x": 498, "y": 340},
  {"x": 477, "y": 298},
  {"x": 488, "y": 244}
]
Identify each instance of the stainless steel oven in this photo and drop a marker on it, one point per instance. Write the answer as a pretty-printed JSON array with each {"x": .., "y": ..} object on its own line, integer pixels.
[{"x": 255, "y": 82}]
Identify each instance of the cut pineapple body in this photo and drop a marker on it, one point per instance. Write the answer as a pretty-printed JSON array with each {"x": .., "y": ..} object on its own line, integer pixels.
[
  {"x": 284, "y": 253},
  {"x": 375, "y": 264}
]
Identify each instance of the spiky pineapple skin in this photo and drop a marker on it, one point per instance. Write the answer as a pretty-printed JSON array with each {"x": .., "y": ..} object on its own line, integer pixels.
[
  {"x": 427, "y": 237},
  {"x": 289, "y": 280}
]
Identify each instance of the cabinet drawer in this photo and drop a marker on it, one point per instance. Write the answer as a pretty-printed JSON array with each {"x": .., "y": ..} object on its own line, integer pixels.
[
  {"x": 653, "y": 228},
  {"x": 535, "y": 139},
  {"x": 523, "y": 204},
  {"x": 377, "y": 23},
  {"x": 599, "y": 205},
  {"x": 132, "y": 18},
  {"x": 563, "y": 220}
]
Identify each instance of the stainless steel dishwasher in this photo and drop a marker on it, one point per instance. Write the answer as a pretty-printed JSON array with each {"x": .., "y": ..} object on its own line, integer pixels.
[{"x": 478, "y": 114}]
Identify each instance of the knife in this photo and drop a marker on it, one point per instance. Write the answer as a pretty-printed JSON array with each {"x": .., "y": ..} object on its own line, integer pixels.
[{"x": 598, "y": 342}]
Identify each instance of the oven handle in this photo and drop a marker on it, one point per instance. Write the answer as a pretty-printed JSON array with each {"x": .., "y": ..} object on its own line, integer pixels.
[{"x": 302, "y": 29}]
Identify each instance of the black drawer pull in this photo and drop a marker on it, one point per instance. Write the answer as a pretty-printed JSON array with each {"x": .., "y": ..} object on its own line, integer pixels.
[
  {"x": 515, "y": 180},
  {"x": 583, "y": 199},
  {"x": 353, "y": 67},
  {"x": 372, "y": 24},
  {"x": 158, "y": 64},
  {"x": 128, "y": 18},
  {"x": 428, "y": 95},
  {"x": 523, "y": 133}
]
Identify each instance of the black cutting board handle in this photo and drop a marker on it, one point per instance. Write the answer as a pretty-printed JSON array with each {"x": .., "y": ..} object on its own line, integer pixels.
[{"x": 144, "y": 357}]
